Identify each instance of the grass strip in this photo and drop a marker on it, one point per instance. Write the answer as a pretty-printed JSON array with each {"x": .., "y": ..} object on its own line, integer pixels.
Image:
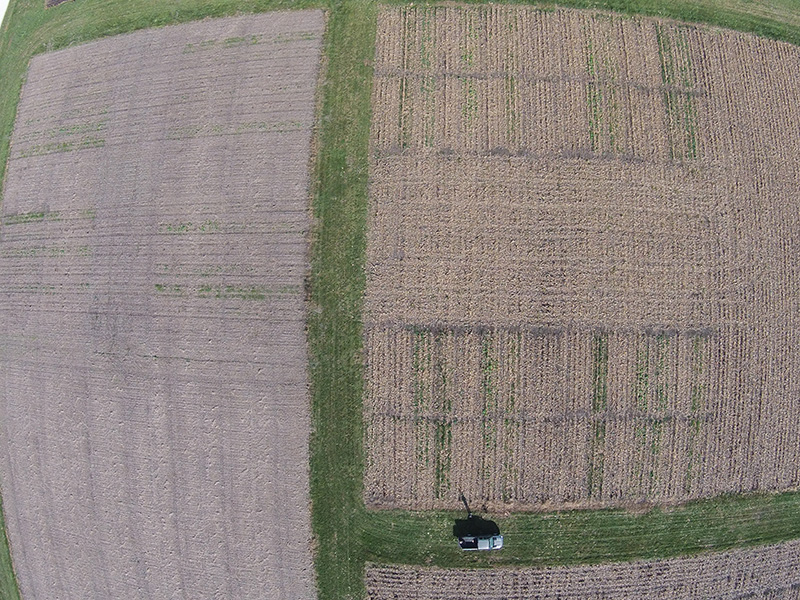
[
  {"x": 9, "y": 590},
  {"x": 337, "y": 284},
  {"x": 588, "y": 536}
]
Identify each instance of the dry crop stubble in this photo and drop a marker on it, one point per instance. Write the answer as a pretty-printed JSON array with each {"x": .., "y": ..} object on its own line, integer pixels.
[
  {"x": 555, "y": 242},
  {"x": 155, "y": 414},
  {"x": 587, "y": 220},
  {"x": 766, "y": 572}
]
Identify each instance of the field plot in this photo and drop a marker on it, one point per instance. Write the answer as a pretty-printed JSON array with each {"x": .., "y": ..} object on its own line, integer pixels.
[
  {"x": 766, "y": 572},
  {"x": 582, "y": 272},
  {"x": 154, "y": 405},
  {"x": 552, "y": 242}
]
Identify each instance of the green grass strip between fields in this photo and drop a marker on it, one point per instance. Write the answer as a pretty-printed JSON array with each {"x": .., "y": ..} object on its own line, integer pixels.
[
  {"x": 337, "y": 283},
  {"x": 587, "y": 536},
  {"x": 8, "y": 582}
]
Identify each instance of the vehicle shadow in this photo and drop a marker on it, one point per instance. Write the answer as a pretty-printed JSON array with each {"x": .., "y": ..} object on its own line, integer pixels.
[{"x": 474, "y": 525}]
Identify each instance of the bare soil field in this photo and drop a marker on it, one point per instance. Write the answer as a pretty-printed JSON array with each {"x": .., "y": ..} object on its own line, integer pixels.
[
  {"x": 766, "y": 572},
  {"x": 582, "y": 271},
  {"x": 154, "y": 410}
]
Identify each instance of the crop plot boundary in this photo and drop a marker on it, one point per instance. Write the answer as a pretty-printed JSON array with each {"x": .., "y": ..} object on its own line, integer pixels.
[
  {"x": 471, "y": 231},
  {"x": 228, "y": 271},
  {"x": 727, "y": 17},
  {"x": 149, "y": 17}
]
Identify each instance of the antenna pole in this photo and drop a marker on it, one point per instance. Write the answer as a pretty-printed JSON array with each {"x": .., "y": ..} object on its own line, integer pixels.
[{"x": 464, "y": 500}]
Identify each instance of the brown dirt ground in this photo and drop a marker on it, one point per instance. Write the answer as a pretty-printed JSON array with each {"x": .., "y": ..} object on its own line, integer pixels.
[
  {"x": 582, "y": 272},
  {"x": 766, "y": 572},
  {"x": 154, "y": 415}
]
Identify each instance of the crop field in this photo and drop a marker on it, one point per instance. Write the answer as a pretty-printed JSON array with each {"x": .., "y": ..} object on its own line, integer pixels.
[
  {"x": 765, "y": 572},
  {"x": 154, "y": 409},
  {"x": 582, "y": 272},
  {"x": 345, "y": 535}
]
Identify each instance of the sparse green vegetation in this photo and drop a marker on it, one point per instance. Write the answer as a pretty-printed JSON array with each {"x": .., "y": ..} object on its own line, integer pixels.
[
  {"x": 599, "y": 396},
  {"x": 593, "y": 98},
  {"x": 489, "y": 402},
  {"x": 697, "y": 402},
  {"x": 31, "y": 217},
  {"x": 444, "y": 428},
  {"x": 678, "y": 92}
]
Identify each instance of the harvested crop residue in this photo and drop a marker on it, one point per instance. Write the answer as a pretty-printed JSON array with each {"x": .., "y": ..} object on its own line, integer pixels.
[
  {"x": 582, "y": 262},
  {"x": 766, "y": 572}
]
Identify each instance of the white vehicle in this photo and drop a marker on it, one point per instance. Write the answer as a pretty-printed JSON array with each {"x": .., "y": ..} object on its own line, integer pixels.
[
  {"x": 475, "y": 533},
  {"x": 481, "y": 542}
]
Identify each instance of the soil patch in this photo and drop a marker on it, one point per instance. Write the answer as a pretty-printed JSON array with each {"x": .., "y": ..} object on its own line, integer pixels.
[{"x": 155, "y": 410}]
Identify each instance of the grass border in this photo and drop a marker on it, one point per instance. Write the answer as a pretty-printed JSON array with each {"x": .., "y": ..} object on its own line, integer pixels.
[
  {"x": 337, "y": 282},
  {"x": 9, "y": 588},
  {"x": 589, "y": 536}
]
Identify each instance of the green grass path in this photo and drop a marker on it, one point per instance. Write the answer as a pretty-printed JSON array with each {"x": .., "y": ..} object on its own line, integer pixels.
[
  {"x": 590, "y": 536},
  {"x": 337, "y": 282}
]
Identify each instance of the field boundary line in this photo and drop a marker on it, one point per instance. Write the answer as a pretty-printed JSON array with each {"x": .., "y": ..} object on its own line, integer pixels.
[{"x": 337, "y": 281}]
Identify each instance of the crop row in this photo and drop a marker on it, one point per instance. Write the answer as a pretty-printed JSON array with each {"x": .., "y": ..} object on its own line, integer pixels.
[
  {"x": 529, "y": 417},
  {"x": 766, "y": 572}
]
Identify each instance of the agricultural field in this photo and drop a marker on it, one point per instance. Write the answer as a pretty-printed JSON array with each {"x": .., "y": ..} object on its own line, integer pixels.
[
  {"x": 154, "y": 408},
  {"x": 582, "y": 272},
  {"x": 766, "y": 572},
  {"x": 345, "y": 535}
]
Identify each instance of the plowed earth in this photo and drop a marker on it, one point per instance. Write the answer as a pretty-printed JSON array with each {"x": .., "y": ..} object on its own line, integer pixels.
[{"x": 154, "y": 409}]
